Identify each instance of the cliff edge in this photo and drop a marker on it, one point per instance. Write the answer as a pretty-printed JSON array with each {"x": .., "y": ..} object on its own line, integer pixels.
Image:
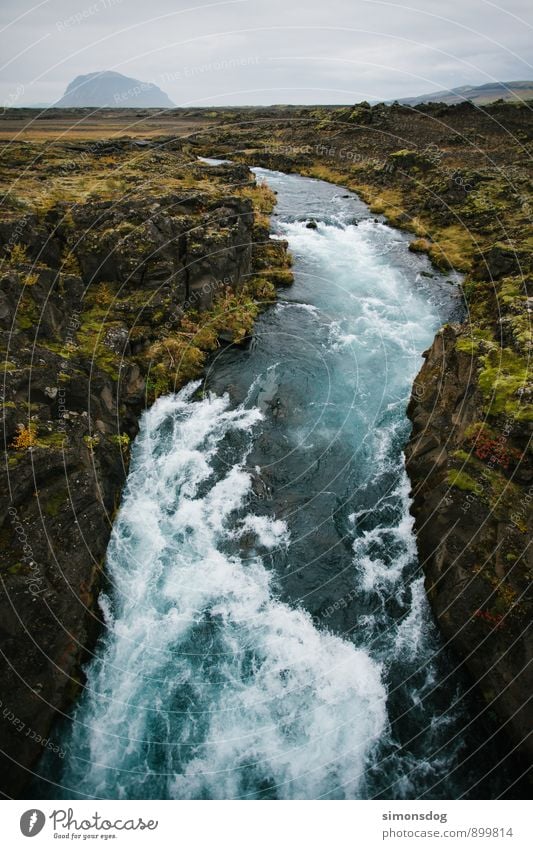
[{"x": 122, "y": 267}]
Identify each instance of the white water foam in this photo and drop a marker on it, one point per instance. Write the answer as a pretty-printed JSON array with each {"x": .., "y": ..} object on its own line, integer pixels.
[
  {"x": 269, "y": 532},
  {"x": 397, "y": 540},
  {"x": 207, "y": 685}
]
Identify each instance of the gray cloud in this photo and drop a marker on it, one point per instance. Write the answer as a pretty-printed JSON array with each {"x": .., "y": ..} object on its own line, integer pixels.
[{"x": 264, "y": 51}]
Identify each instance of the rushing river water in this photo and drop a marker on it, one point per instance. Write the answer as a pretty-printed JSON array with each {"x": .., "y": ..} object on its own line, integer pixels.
[{"x": 267, "y": 630}]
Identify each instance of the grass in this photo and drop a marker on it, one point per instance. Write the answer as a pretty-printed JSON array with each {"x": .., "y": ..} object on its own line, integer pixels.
[
  {"x": 453, "y": 247},
  {"x": 60, "y": 178},
  {"x": 180, "y": 356},
  {"x": 18, "y": 254},
  {"x": 262, "y": 197},
  {"x": 420, "y": 246}
]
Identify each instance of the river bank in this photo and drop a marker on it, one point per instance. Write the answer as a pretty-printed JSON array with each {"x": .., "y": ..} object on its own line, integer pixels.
[
  {"x": 105, "y": 248},
  {"x": 457, "y": 180},
  {"x": 267, "y": 634},
  {"x": 394, "y": 165}
]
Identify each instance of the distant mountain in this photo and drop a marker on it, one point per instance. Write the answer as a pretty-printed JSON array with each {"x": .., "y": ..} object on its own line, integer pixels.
[
  {"x": 107, "y": 88},
  {"x": 480, "y": 94}
]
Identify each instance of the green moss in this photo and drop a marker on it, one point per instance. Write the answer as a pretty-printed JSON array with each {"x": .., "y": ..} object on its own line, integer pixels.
[
  {"x": 484, "y": 198},
  {"x": 263, "y": 288},
  {"x": 27, "y": 312},
  {"x": 503, "y": 379},
  {"x": 91, "y": 442},
  {"x": 25, "y": 323},
  {"x": 453, "y": 248},
  {"x": 473, "y": 431},
  {"x": 158, "y": 384},
  {"x": 54, "y": 440},
  {"x": 15, "y": 568},
  {"x": 504, "y": 495},
  {"x": 462, "y": 481},
  {"x": 410, "y": 160},
  {"x": 70, "y": 264},
  {"x": 279, "y": 277},
  {"x": 472, "y": 339},
  {"x": 122, "y": 440},
  {"x": 53, "y": 503},
  {"x": 18, "y": 254},
  {"x": 462, "y": 456},
  {"x": 511, "y": 288},
  {"x": 405, "y": 153},
  {"x": 94, "y": 324}
]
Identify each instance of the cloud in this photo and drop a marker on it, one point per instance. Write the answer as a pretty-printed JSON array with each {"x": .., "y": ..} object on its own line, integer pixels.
[{"x": 265, "y": 51}]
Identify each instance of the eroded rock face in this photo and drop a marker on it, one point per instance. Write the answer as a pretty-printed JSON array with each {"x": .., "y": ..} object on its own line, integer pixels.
[
  {"x": 56, "y": 510},
  {"x": 473, "y": 550},
  {"x": 166, "y": 246},
  {"x": 76, "y": 381}
]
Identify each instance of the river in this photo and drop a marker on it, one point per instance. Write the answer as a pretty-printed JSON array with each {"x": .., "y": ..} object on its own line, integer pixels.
[{"x": 267, "y": 632}]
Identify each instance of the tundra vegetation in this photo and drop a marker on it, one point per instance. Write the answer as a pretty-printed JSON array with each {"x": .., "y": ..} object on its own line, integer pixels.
[{"x": 125, "y": 262}]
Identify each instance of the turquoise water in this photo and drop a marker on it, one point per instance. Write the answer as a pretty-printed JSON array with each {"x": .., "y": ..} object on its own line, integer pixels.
[{"x": 267, "y": 631}]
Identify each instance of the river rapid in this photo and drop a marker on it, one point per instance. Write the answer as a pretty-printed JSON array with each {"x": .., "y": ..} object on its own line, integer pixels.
[{"x": 268, "y": 634}]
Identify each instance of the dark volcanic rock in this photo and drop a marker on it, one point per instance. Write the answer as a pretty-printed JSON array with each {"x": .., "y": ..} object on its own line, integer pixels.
[
  {"x": 77, "y": 379},
  {"x": 474, "y": 553}
]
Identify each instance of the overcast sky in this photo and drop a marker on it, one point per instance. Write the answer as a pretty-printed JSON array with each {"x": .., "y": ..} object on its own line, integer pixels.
[{"x": 264, "y": 51}]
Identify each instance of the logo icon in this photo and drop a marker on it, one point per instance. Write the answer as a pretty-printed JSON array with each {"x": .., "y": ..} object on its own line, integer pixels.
[{"x": 32, "y": 822}]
